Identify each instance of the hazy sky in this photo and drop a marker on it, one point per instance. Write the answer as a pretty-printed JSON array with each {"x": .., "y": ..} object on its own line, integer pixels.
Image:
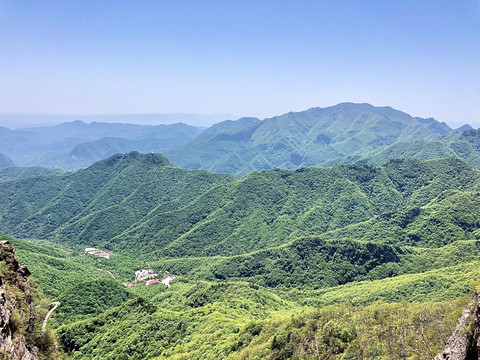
[{"x": 248, "y": 58}]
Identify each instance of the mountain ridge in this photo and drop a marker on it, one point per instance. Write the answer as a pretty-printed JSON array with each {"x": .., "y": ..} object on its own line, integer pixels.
[
  {"x": 77, "y": 144},
  {"x": 317, "y": 136}
]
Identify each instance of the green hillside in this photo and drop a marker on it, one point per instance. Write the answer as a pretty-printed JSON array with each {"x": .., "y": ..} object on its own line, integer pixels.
[
  {"x": 318, "y": 227},
  {"x": 318, "y": 136},
  {"x": 210, "y": 320},
  {"x": 110, "y": 195},
  {"x": 143, "y": 204},
  {"x": 17, "y": 172},
  {"x": 465, "y": 145},
  {"x": 345, "y": 262},
  {"x": 5, "y": 162}
]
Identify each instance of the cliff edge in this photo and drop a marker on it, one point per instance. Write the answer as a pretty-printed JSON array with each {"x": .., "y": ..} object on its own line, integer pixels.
[
  {"x": 17, "y": 315},
  {"x": 464, "y": 344}
]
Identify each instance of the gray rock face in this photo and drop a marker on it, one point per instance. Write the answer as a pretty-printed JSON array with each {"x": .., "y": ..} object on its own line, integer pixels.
[
  {"x": 12, "y": 342},
  {"x": 464, "y": 344}
]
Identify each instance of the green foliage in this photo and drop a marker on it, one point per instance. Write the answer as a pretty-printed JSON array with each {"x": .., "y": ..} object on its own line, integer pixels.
[
  {"x": 378, "y": 331},
  {"x": 248, "y": 254},
  {"x": 317, "y": 136},
  {"x": 238, "y": 321},
  {"x": 54, "y": 269},
  {"x": 465, "y": 145},
  {"x": 447, "y": 283},
  {"x": 90, "y": 298},
  {"x": 170, "y": 212},
  {"x": 211, "y": 320},
  {"x": 15, "y": 172}
]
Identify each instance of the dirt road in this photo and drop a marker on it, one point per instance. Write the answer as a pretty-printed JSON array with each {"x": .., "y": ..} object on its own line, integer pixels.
[
  {"x": 109, "y": 272},
  {"x": 55, "y": 305}
]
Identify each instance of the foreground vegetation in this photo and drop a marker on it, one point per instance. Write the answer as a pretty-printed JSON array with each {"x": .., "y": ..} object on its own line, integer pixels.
[
  {"x": 349, "y": 262},
  {"x": 407, "y": 316}
]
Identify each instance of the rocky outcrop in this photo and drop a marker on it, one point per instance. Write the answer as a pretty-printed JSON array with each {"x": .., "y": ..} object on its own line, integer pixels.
[
  {"x": 464, "y": 344},
  {"x": 16, "y": 316}
]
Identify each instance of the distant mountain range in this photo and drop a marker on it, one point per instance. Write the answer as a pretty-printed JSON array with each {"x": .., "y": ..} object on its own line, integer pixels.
[
  {"x": 76, "y": 144},
  {"x": 344, "y": 133},
  {"x": 22, "y": 121}
]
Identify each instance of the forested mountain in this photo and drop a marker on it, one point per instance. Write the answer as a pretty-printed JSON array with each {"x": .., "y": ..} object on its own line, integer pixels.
[
  {"x": 345, "y": 133},
  {"x": 5, "y": 162},
  {"x": 280, "y": 263},
  {"x": 251, "y": 228},
  {"x": 163, "y": 210},
  {"x": 290, "y": 263},
  {"x": 76, "y": 144},
  {"x": 17, "y": 172},
  {"x": 463, "y": 144},
  {"x": 318, "y": 136}
]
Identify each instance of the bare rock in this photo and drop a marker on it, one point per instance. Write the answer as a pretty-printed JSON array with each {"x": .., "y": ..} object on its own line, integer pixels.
[
  {"x": 464, "y": 344},
  {"x": 13, "y": 344}
]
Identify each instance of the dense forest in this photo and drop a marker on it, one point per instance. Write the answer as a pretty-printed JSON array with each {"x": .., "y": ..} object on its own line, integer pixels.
[{"x": 346, "y": 262}]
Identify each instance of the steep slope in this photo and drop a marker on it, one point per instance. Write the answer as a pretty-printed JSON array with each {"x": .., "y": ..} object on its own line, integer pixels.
[
  {"x": 19, "y": 318},
  {"x": 442, "y": 233},
  {"x": 99, "y": 202},
  {"x": 465, "y": 145},
  {"x": 143, "y": 201},
  {"x": 5, "y": 162},
  {"x": 253, "y": 256},
  {"x": 273, "y": 207},
  {"x": 208, "y": 320},
  {"x": 313, "y": 137},
  {"x": 244, "y": 321}
]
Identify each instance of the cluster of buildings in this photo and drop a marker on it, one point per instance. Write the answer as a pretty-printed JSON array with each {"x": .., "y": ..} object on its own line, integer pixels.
[
  {"x": 151, "y": 278},
  {"x": 144, "y": 274}
]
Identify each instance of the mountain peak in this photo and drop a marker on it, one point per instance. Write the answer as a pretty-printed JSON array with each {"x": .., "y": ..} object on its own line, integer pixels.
[
  {"x": 154, "y": 159},
  {"x": 465, "y": 127}
]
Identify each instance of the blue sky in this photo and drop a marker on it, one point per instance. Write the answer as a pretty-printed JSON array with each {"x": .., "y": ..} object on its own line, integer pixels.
[{"x": 247, "y": 58}]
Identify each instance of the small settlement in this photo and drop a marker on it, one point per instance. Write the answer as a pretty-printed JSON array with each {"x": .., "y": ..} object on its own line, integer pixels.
[
  {"x": 144, "y": 274},
  {"x": 99, "y": 253},
  {"x": 150, "y": 278}
]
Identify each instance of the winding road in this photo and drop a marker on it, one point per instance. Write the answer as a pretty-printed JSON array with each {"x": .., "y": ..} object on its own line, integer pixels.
[
  {"x": 55, "y": 305},
  {"x": 109, "y": 272}
]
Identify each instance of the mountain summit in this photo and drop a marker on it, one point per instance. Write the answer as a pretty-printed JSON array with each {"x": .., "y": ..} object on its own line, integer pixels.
[{"x": 318, "y": 136}]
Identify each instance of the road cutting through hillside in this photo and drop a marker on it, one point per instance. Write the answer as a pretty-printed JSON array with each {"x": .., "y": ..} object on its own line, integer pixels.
[
  {"x": 55, "y": 305},
  {"x": 108, "y": 272}
]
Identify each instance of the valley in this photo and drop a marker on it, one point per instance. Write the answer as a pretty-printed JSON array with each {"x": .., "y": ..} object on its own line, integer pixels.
[
  {"x": 239, "y": 180},
  {"x": 259, "y": 264}
]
